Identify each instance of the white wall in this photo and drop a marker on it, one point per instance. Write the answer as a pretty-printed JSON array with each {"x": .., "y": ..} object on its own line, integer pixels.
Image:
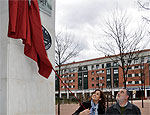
[{"x": 22, "y": 89}]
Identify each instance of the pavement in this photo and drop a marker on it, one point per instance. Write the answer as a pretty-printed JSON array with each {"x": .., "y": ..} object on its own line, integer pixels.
[{"x": 68, "y": 109}]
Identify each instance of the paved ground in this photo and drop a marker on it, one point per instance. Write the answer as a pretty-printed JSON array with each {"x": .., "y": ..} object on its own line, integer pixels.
[{"x": 68, "y": 109}]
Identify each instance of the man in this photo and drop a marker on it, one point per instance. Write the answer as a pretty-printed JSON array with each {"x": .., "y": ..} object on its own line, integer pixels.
[{"x": 123, "y": 106}]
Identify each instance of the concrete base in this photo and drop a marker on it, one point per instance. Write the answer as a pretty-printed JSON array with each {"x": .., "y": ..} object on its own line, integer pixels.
[{"x": 22, "y": 90}]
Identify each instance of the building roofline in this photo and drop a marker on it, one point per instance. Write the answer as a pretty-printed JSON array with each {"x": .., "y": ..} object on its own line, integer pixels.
[{"x": 145, "y": 50}]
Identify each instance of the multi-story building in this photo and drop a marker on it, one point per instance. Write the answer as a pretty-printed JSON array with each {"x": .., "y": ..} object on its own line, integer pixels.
[{"x": 84, "y": 76}]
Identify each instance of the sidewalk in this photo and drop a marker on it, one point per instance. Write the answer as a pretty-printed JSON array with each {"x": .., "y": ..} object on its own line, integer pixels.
[{"x": 68, "y": 109}]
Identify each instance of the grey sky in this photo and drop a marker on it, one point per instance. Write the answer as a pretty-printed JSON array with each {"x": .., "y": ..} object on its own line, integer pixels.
[{"x": 83, "y": 18}]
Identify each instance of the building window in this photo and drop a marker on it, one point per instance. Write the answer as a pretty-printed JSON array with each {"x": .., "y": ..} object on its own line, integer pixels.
[
  {"x": 148, "y": 59},
  {"x": 136, "y": 82},
  {"x": 136, "y": 67},
  {"x": 92, "y": 85},
  {"x": 97, "y": 84},
  {"x": 97, "y": 78},
  {"x": 142, "y": 59},
  {"x": 102, "y": 71},
  {"x": 129, "y": 75},
  {"x": 97, "y": 66},
  {"x": 136, "y": 61},
  {"x": 115, "y": 64},
  {"x": 136, "y": 74},
  {"x": 115, "y": 71},
  {"x": 97, "y": 72},
  {"x": 92, "y": 72},
  {"x": 85, "y": 68},
  {"x": 102, "y": 65},
  {"x": 72, "y": 75},
  {"x": 142, "y": 74},
  {"x": 108, "y": 71},
  {"x": 108, "y": 65},
  {"x": 80, "y": 69},
  {"x": 129, "y": 68},
  {"x": 92, "y": 79},
  {"x": 85, "y": 75},
  {"x": 92, "y": 67},
  {"x": 129, "y": 82}
]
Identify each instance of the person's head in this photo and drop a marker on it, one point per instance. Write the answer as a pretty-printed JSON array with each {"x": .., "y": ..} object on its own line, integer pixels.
[
  {"x": 98, "y": 97},
  {"x": 123, "y": 96}
]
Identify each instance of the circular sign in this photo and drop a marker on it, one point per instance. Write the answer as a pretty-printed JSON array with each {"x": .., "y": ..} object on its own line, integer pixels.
[{"x": 47, "y": 38}]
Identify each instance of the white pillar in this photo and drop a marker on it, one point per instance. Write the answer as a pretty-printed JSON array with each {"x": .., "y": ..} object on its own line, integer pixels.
[
  {"x": 67, "y": 94},
  {"x": 113, "y": 92},
  {"x": 22, "y": 90},
  {"x": 145, "y": 93},
  {"x": 83, "y": 94},
  {"x": 75, "y": 94}
]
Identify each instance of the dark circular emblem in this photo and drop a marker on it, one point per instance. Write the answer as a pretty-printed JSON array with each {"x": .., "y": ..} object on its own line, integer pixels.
[{"x": 47, "y": 38}]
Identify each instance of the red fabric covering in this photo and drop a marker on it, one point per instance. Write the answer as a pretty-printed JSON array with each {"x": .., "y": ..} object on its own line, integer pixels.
[{"x": 25, "y": 24}]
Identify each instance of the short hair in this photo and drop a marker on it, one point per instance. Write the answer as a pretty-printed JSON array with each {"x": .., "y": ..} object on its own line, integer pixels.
[{"x": 127, "y": 91}]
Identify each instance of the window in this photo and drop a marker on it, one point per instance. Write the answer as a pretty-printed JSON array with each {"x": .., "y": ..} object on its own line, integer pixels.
[
  {"x": 142, "y": 74},
  {"x": 148, "y": 59},
  {"x": 142, "y": 59},
  {"x": 92, "y": 85},
  {"x": 97, "y": 78},
  {"x": 85, "y": 75},
  {"x": 97, "y": 72},
  {"x": 129, "y": 82},
  {"x": 92, "y": 79},
  {"x": 102, "y": 65},
  {"x": 97, "y": 84},
  {"x": 136, "y": 61},
  {"x": 92, "y": 72},
  {"x": 115, "y": 71},
  {"x": 108, "y": 65},
  {"x": 136, "y": 82},
  {"x": 136, "y": 74},
  {"x": 97, "y": 66},
  {"x": 85, "y": 68},
  {"x": 129, "y": 68},
  {"x": 108, "y": 79},
  {"x": 72, "y": 75},
  {"x": 92, "y": 67},
  {"x": 136, "y": 67},
  {"x": 102, "y": 71},
  {"x": 108, "y": 71},
  {"x": 115, "y": 64},
  {"x": 80, "y": 69},
  {"x": 129, "y": 75}
]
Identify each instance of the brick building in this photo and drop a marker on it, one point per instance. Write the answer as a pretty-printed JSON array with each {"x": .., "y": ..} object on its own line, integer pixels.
[{"x": 84, "y": 76}]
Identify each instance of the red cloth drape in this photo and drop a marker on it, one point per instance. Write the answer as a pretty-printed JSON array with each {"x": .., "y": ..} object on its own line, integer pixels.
[{"x": 25, "y": 24}]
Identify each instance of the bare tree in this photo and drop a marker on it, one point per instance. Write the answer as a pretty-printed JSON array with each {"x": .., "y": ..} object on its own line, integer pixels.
[
  {"x": 145, "y": 5},
  {"x": 65, "y": 49},
  {"x": 121, "y": 41}
]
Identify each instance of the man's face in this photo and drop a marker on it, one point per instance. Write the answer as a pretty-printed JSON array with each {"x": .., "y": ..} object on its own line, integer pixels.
[{"x": 122, "y": 96}]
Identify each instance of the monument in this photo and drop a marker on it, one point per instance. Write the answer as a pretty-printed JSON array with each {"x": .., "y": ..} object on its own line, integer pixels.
[{"x": 23, "y": 91}]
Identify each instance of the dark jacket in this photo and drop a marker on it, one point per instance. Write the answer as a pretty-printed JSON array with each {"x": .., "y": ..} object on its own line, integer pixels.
[
  {"x": 87, "y": 105},
  {"x": 130, "y": 109}
]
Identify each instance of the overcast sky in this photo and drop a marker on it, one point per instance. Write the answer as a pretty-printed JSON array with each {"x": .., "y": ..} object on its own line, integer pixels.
[{"x": 84, "y": 18}]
